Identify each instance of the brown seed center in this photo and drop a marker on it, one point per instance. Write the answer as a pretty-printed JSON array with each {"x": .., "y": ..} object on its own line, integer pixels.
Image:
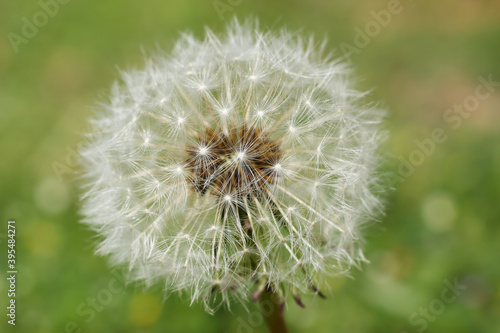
[{"x": 239, "y": 163}]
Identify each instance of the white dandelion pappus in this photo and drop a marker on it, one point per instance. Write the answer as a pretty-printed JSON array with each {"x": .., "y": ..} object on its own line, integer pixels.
[{"x": 236, "y": 162}]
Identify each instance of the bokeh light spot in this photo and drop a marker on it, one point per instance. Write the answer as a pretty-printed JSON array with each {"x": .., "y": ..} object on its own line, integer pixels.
[
  {"x": 439, "y": 212},
  {"x": 51, "y": 196},
  {"x": 144, "y": 310}
]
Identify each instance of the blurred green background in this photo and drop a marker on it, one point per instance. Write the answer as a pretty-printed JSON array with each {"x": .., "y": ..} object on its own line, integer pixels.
[{"x": 442, "y": 221}]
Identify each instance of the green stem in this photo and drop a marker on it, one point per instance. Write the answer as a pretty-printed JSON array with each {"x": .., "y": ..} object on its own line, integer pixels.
[{"x": 271, "y": 304}]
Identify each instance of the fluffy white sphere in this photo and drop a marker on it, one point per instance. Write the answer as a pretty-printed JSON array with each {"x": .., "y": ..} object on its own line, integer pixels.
[{"x": 240, "y": 161}]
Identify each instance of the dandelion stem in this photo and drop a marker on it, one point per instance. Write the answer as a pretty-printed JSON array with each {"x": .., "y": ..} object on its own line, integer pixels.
[{"x": 272, "y": 310}]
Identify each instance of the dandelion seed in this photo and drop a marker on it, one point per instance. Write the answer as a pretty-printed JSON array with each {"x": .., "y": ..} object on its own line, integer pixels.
[
  {"x": 240, "y": 155},
  {"x": 222, "y": 206}
]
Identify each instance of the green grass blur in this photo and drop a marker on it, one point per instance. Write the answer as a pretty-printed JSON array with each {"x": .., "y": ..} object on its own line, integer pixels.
[{"x": 442, "y": 221}]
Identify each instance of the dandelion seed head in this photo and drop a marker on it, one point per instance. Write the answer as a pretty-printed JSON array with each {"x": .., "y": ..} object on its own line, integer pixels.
[{"x": 208, "y": 169}]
